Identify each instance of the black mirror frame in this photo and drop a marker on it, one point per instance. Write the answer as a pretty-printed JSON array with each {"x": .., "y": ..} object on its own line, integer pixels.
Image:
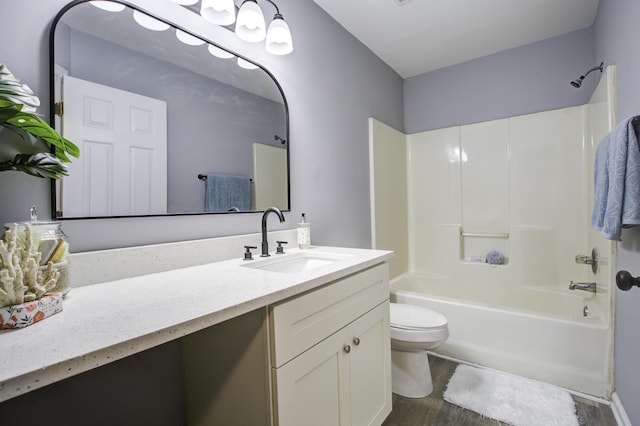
[{"x": 52, "y": 113}]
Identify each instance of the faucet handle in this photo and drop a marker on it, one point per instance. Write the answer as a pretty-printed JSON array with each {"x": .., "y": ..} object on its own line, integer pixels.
[
  {"x": 280, "y": 249},
  {"x": 247, "y": 254}
]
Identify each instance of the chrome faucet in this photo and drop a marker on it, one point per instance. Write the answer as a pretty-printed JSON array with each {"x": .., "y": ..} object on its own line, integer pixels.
[
  {"x": 583, "y": 286},
  {"x": 265, "y": 243}
]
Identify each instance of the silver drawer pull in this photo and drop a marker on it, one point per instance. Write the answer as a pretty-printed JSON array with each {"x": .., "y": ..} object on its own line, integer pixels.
[
  {"x": 356, "y": 341},
  {"x": 347, "y": 349}
]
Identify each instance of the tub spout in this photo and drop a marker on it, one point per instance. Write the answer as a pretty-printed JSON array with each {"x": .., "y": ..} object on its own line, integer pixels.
[{"x": 583, "y": 286}]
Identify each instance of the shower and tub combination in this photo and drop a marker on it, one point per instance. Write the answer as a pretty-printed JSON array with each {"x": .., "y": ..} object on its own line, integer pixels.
[{"x": 521, "y": 187}]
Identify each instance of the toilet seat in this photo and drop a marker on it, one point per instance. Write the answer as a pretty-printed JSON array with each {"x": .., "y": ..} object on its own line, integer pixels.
[
  {"x": 413, "y": 317},
  {"x": 417, "y": 324}
]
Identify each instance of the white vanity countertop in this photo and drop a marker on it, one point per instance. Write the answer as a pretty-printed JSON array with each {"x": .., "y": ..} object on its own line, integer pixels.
[{"x": 105, "y": 322}]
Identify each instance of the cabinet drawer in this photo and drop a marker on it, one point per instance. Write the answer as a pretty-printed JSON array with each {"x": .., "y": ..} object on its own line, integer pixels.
[{"x": 303, "y": 321}]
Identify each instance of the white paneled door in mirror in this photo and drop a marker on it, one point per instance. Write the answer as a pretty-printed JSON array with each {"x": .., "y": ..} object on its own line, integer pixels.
[{"x": 123, "y": 140}]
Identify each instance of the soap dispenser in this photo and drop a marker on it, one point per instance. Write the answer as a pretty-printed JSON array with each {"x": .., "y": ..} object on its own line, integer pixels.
[{"x": 304, "y": 233}]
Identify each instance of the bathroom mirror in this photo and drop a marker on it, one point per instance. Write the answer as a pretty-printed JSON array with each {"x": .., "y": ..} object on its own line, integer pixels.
[{"x": 165, "y": 125}]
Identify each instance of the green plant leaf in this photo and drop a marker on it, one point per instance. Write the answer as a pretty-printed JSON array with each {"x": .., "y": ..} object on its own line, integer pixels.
[
  {"x": 18, "y": 105},
  {"x": 42, "y": 164},
  {"x": 8, "y": 109},
  {"x": 13, "y": 90},
  {"x": 37, "y": 127}
]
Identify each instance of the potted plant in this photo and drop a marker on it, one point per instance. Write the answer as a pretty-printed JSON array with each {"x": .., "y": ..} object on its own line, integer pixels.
[{"x": 27, "y": 143}]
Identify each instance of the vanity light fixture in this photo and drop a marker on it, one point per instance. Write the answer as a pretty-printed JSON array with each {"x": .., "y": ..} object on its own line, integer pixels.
[
  {"x": 108, "y": 5},
  {"x": 279, "y": 40},
  {"x": 148, "y": 22},
  {"x": 250, "y": 27},
  {"x": 250, "y": 24},
  {"x": 219, "y": 12}
]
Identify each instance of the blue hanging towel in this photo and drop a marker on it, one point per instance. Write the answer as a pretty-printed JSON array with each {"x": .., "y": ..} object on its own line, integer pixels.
[
  {"x": 226, "y": 192},
  {"x": 617, "y": 180}
]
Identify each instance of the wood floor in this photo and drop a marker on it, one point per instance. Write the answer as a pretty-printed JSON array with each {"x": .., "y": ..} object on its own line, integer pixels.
[{"x": 433, "y": 410}]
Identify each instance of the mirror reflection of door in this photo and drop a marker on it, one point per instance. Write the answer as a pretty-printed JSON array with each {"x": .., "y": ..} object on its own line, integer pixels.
[
  {"x": 270, "y": 176},
  {"x": 122, "y": 136}
]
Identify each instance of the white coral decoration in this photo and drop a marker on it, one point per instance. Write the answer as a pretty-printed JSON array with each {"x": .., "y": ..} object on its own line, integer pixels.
[{"x": 20, "y": 278}]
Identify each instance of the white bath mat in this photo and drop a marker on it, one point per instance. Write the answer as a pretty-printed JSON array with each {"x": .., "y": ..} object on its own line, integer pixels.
[{"x": 510, "y": 399}]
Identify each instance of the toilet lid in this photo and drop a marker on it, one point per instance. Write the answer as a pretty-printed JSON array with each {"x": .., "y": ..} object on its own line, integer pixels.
[{"x": 408, "y": 316}]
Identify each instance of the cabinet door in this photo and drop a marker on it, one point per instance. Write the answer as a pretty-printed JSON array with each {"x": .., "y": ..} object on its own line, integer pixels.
[
  {"x": 370, "y": 367},
  {"x": 313, "y": 388}
]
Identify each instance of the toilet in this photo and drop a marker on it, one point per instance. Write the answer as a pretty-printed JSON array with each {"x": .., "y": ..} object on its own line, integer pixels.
[{"x": 414, "y": 330}]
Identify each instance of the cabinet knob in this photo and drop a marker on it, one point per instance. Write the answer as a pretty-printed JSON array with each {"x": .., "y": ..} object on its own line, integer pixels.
[
  {"x": 347, "y": 349},
  {"x": 356, "y": 341}
]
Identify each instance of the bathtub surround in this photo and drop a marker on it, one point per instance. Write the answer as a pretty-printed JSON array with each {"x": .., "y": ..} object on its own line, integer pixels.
[
  {"x": 511, "y": 399},
  {"x": 388, "y": 188},
  {"x": 520, "y": 186}
]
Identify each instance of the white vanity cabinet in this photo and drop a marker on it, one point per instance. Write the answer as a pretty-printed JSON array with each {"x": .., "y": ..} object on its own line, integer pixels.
[{"x": 330, "y": 353}]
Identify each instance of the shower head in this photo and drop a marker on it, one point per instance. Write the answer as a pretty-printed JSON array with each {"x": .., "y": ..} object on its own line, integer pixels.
[{"x": 578, "y": 81}]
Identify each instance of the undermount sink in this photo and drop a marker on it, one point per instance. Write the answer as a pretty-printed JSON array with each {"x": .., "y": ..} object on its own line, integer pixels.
[{"x": 297, "y": 262}]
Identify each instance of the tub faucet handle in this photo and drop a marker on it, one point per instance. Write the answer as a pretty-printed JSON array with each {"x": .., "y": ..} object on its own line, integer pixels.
[
  {"x": 589, "y": 260},
  {"x": 584, "y": 259}
]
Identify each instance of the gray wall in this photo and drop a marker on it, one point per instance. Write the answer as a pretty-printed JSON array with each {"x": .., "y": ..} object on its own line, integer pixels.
[
  {"x": 519, "y": 81},
  {"x": 332, "y": 83},
  {"x": 616, "y": 41}
]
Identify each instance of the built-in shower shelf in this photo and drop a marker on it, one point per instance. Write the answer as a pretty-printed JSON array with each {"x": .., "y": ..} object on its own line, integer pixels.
[
  {"x": 485, "y": 234},
  {"x": 475, "y": 246}
]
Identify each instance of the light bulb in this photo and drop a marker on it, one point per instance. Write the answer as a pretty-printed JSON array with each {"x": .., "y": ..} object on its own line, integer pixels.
[
  {"x": 242, "y": 63},
  {"x": 219, "y": 53},
  {"x": 219, "y": 12},
  {"x": 109, "y": 6},
  {"x": 187, "y": 38},
  {"x": 279, "y": 40},
  {"x": 250, "y": 25},
  {"x": 148, "y": 22}
]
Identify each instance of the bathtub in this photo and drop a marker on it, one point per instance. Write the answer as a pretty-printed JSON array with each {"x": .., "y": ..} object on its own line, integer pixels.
[{"x": 554, "y": 336}]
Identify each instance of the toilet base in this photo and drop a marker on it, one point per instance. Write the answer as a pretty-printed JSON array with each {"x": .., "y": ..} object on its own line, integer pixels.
[{"x": 410, "y": 374}]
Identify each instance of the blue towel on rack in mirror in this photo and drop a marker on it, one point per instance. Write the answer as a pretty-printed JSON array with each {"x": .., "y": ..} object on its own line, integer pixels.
[
  {"x": 226, "y": 192},
  {"x": 617, "y": 180}
]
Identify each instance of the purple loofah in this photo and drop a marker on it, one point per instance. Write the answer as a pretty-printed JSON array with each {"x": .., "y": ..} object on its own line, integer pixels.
[{"x": 495, "y": 258}]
